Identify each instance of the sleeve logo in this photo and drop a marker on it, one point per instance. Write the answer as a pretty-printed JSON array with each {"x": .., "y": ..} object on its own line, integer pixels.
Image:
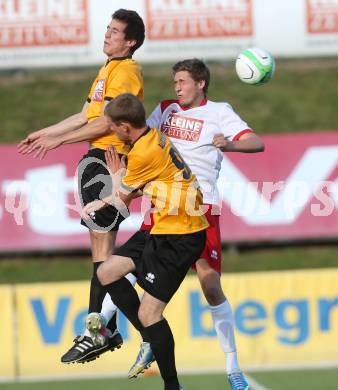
[{"x": 98, "y": 91}]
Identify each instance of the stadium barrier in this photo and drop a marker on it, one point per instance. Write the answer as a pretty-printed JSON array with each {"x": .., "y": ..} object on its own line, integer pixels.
[
  {"x": 265, "y": 197},
  {"x": 283, "y": 319}
]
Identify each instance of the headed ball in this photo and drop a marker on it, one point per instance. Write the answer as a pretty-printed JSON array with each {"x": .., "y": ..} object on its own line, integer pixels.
[{"x": 255, "y": 66}]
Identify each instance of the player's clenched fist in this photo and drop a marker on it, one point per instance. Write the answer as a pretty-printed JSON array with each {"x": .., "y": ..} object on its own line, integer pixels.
[{"x": 221, "y": 142}]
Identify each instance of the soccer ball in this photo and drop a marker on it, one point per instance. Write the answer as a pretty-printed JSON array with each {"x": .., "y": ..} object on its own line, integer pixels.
[{"x": 255, "y": 66}]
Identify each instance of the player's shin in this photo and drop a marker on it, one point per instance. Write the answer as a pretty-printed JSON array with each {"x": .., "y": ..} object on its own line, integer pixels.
[
  {"x": 224, "y": 325},
  {"x": 126, "y": 299},
  {"x": 109, "y": 309},
  {"x": 97, "y": 291},
  {"x": 163, "y": 346}
]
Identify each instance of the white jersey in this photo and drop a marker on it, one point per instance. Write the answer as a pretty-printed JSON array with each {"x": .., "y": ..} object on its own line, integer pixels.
[{"x": 192, "y": 131}]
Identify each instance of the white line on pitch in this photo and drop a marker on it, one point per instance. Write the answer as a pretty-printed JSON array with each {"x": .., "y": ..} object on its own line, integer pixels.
[{"x": 254, "y": 384}]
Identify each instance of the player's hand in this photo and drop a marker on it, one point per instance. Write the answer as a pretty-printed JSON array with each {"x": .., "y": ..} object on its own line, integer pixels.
[
  {"x": 23, "y": 145},
  {"x": 88, "y": 211},
  {"x": 42, "y": 145},
  {"x": 114, "y": 162},
  {"x": 221, "y": 142}
]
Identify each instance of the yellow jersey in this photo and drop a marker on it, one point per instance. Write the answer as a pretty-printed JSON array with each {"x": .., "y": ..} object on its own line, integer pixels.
[
  {"x": 116, "y": 77},
  {"x": 157, "y": 168}
]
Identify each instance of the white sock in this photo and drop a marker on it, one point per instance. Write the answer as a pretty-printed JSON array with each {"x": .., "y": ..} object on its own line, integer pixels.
[
  {"x": 108, "y": 306},
  {"x": 223, "y": 319}
]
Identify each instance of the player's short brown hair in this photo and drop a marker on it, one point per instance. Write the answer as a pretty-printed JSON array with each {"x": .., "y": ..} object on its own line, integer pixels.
[
  {"x": 197, "y": 70},
  {"x": 126, "y": 108},
  {"x": 134, "y": 26}
]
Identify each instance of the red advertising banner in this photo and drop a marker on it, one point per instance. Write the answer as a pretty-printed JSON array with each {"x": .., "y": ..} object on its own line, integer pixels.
[
  {"x": 322, "y": 16},
  {"x": 43, "y": 23},
  {"x": 186, "y": 19},
  {"x": 289, "y": 192}
]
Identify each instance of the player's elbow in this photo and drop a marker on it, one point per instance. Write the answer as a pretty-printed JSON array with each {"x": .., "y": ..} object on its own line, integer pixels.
[
  {"x": 101, "y": 126},
  {"x": 260, "y": 146},
  {"x": 256, "y": 145},
  {"x": 81, "y": 118},
  {"x": 253, "y": 146}
]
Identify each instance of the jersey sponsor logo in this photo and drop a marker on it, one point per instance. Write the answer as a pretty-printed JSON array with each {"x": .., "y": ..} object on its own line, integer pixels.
[
  {"x": 182, "y": 127},
  {"x": 43, "y": 22},
  {"x": 172, "y": 19},
  {"x": 322, "y": 16},
  {"x": 214, "y": 254},
  {"x": 98, "y": 91}
]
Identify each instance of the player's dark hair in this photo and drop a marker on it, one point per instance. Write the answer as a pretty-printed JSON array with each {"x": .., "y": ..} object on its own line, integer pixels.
[
  {"x": 134, "y": 26},
  {"x": 126, "y": 108},
  {"x": 197, "y": 70}
]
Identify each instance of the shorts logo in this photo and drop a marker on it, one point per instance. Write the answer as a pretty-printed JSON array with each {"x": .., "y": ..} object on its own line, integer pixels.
[
  {"x": 322, "y": 16},
  {"x": 190, "y": 19},
  {"x": 150, "y": 277},
  {"x": 182, "y": 127},
  {"x": 98, "y": 91},
  {"x": 214, "y": 254},
  {"x": 37, "y": 23}
]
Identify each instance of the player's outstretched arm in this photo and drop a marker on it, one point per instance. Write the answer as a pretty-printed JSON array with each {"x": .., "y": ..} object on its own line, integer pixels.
[
  {"x": 94, "y": 129},
  {"x": 40, "y": 146},
  {"x": 69, "y": 124},
  {"x": 247, "y": 143}
]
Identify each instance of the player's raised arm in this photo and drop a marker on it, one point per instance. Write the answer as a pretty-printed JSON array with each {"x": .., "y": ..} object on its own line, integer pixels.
[
  {"x": 97, "y": 128},
  {"x": 71, "y": 123},
  {"x": 72, "y": 130}
]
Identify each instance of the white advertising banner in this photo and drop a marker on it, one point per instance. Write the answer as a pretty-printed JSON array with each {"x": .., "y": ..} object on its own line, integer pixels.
[
  {"x": 44, "y": 32},
  {"x": 71, "y": 32}
]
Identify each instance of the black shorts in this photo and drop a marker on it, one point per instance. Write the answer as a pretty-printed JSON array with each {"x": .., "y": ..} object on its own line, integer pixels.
[
  {"x": 95, "y": 183},
  {"x": 162, "y": 260}
]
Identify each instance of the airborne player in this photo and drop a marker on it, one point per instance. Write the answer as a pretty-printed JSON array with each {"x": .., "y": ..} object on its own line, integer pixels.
[{"x": 202, "y": 130}]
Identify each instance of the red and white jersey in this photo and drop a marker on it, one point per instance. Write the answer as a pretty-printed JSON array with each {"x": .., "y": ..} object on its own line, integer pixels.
[{"x": 192, "y": 131}]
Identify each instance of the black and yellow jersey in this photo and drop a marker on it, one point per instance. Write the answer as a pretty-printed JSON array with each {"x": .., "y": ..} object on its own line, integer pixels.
[
  {"x": 116, "y": 77},
  {"x": 157, "y": 168}
]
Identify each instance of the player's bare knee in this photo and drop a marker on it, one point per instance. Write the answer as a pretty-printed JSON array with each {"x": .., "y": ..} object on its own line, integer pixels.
[
  {"x": 144, "y": 316},
  {"x": 148, "y": 316},
  {"x": 100, "y": 273}
]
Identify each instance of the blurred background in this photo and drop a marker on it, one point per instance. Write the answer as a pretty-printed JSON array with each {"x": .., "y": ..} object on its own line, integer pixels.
[{"x": 279, "y": 221}]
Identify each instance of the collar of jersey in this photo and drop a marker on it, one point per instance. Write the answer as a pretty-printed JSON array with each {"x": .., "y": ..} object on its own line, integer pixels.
[
  {"x": 146, "y": 131},
  {"x": 203, "y": 103},
  {"x": 118, "y": 59}
]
